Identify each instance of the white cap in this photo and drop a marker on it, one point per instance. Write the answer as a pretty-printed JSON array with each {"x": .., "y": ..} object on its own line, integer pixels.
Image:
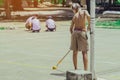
[{"x": 49, "y": 17}]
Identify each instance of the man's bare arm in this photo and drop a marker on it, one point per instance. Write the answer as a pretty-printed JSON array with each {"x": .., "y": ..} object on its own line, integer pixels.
[
  {"x": 88, "y": 19},
  {"x": 72, "y": 25},
  {"x": 71, "y": 28}
]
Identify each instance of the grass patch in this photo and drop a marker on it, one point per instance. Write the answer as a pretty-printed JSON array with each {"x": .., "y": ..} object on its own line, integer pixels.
[
  {"x": 108, "y": 24},
  {"x": 2, "y": 28}
]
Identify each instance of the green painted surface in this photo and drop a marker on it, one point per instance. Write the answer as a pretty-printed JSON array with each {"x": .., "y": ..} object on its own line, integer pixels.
[
  {"x": 109, "y": 24},
  {"x": 2, "y": 28}
]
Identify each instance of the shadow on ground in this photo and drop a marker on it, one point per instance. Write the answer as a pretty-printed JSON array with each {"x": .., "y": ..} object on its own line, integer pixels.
[{"x": 59, "y": 74}]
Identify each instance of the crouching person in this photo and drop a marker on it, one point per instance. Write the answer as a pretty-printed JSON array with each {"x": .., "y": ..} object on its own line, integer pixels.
[
  {"x": 28, "y": 23},
  {"x": 36, "y": 24},
  {"x": 50, "y": 24}
]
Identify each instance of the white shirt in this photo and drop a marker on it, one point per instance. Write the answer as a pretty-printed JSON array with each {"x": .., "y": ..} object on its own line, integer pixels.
[
  {"x": 29, "y": 20},
  {"x": 50, "y": 23},
  {"x": 36, "y": 24}
]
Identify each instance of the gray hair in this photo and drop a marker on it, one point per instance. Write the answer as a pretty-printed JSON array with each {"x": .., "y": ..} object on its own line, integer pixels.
[{"x": 75, "y": 6}]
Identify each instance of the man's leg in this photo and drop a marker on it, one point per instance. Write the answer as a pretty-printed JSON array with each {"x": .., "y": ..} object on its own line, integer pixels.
[
  {"x": 75, "y": 59},
  {"x": 85, "y": 60}
]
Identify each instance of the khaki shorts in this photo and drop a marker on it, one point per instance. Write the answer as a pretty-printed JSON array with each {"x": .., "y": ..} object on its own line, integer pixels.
[{"x": 79, "y": 41}]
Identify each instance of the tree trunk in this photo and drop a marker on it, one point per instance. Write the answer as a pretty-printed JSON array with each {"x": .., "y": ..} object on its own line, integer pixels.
[
  {"x": 35, "y": 3},
  {"x": 7, "y": 9},
  {"x": 41, "y": 1},
  {"x": 55, "y": 1},
  {"x": 17, "y": 5}
]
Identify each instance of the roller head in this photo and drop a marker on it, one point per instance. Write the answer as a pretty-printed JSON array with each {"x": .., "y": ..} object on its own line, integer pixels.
[{"x": 54, "y": 67}]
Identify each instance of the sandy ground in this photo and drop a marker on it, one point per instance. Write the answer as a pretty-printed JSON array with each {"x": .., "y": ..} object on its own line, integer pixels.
[{"x": 30, "y": 56}]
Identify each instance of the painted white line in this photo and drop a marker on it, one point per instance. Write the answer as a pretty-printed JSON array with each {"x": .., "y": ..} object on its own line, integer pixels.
[
  {"x": 24, "y": 65},
  {"x": 100, "y": 79},
  {"x": 108, "y": 62}
]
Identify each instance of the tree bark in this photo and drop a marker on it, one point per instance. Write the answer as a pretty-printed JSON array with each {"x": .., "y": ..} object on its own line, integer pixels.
[
  {"x": 17, "y": 5},
  {"x": 7, "y": 9},
  {"x": 35, "y": 3}
]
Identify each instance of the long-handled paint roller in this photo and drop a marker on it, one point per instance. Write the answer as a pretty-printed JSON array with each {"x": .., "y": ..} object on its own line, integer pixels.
[{"x": 55, "y": 67}]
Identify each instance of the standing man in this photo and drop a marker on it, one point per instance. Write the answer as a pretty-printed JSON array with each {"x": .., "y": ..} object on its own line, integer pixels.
[{"x": 79, "y": 34}]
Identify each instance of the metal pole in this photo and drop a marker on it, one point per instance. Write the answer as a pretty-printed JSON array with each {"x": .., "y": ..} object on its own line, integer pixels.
[{"x": 92, "y": 41}]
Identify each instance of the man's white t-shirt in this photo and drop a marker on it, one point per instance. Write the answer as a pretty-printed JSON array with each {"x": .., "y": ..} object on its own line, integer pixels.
[
  {"x": 36, "y": 24},
  {"x": 50, "y": 23},
  {"x": 29, "y": 20}
]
